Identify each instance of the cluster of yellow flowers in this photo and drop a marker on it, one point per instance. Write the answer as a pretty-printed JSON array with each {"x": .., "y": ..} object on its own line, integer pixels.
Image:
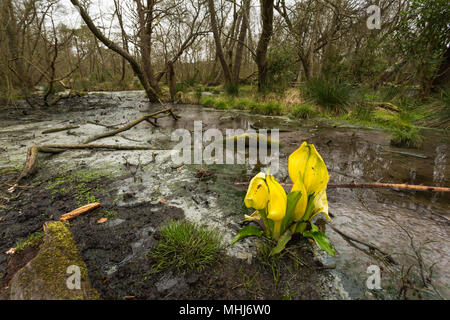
[{"x": 309, "y": 175}]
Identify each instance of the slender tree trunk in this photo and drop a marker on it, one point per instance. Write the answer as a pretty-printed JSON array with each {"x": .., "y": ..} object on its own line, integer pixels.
[
  {"x": 241, "y": 39},
  {"x": 219, "y": 49},
  {"x": 171, "y": 80},
  {"x": 261, "y": 50},
  {"x": 15, "y": 61}
]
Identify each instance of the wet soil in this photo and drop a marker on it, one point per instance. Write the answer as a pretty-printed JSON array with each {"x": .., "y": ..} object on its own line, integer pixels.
[{"x": 140, "y": 191}]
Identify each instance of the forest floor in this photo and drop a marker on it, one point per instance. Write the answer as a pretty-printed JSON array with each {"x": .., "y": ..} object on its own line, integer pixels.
[{"x": 140, "y": 191}]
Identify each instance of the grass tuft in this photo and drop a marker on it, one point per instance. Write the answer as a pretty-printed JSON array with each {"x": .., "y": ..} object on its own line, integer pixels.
[
  {"x": 304, "y": 111},
  {"x": 185, "y": 246},
  {"x": 409, "y": 137},
  {"x": 332, "y": 96}
]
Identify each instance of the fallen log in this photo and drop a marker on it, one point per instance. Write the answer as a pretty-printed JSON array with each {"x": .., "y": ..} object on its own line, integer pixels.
[
  {"x": 33, "y": 152},
  {"x": 145, "y": 117},
  {"x": 401, "y": 186},
  {"x": 75, "y": 213}
]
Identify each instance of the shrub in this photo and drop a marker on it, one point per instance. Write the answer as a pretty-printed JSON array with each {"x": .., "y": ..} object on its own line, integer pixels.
[{"x": 231, "y": 89}]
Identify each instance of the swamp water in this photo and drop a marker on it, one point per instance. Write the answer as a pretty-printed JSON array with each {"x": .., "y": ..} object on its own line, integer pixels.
[{"x": 351, "y": 154}]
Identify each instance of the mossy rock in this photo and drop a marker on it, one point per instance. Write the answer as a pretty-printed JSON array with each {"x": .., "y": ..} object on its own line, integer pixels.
[{"x": 45, "y": 276}]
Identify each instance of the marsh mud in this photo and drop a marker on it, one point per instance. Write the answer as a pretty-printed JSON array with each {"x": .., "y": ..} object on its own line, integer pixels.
[{"x": 141, "y": 190}]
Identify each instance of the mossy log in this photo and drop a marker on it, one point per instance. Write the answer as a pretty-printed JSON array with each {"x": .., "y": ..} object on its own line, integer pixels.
[{"x": 47, "y": 275}]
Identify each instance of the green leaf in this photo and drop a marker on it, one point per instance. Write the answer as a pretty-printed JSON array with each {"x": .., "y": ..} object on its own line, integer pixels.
[
  {"x": 247, "y": 231},
  {"x": 284, "y": 239},
  {"x": 314, "y": 228},
  {"x": 321, "y": 239},
  {"x": 292, "y": 199}
]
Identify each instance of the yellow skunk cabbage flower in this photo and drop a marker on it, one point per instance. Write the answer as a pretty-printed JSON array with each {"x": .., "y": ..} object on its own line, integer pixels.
[
  {"x": 255, "y": 216},
  {"x": 300, "y": 208},
  {"x": 307, "y": 164},
  {"x": 277, "y": 204},
  {"x": 257, "y": 193},
  {"x": 321, "y": 205}
]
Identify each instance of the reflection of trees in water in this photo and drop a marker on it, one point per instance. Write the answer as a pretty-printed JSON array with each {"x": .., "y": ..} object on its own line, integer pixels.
[{"x": 440, "y": 164}]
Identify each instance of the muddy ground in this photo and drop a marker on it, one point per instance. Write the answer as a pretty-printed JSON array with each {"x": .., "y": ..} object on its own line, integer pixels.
[{"x": 141, "y": 190}]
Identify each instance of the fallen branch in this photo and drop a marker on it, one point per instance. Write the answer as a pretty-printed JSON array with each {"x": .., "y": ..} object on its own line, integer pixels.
[
  {"x": 59, "y": 129},
  {"x": 145, "y": 117},
  {"x": 402, "y": 186},
  {"x": 384, "y": 256},
  {"x": 75, "y": 213},
  {"x": 33, "y": 152}
]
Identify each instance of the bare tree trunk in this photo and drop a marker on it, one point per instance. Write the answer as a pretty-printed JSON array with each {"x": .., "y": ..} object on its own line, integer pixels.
[
  {"x": 145, "y": 35},
  {"x": 240, "y": 45},
  {"x": 219, "y": 49},
  {"x": 15, "y": 62},
  {"x": 151, "y": 93},
  {"x": 124, "y": 38},
  {"x": 171, "y": 80},
  {"x": 266, "y": 34}
]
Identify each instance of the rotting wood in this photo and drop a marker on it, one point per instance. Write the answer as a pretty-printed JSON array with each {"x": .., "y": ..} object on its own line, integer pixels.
[
  {"x": 402, "y": 186},
  {"x": 59, "y": 129},
  {"x": 75, "y": 213},
  {"x": 132, "y": 124},
  {"x": 33, "y": 152}
]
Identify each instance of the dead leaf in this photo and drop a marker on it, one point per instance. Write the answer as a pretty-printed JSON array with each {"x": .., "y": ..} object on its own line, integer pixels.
[{"x": 102, "y": 220}]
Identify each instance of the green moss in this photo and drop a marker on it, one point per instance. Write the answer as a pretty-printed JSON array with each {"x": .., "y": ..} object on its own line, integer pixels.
[
  {"x": 78, "y": 183},
  {"x": 49, "y": 267},
  {"x": 109, "y": 214},
  {"x": 32, "y": 240}
]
